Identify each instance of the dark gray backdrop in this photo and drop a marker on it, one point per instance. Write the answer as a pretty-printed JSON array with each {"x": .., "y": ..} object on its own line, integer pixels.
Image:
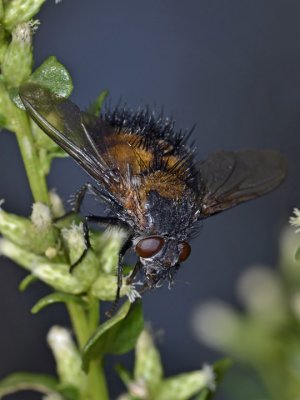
[{"x": 233, "y": 68}]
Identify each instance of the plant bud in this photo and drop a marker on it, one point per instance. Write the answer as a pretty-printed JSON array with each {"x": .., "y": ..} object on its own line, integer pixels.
[
  {"x": 148, "y": 367},
  {"x": 17, "y": 61},
  {"x": 3, "y": 41},
  {"x": 87, "y": 270},
  {"x": 56, "y": 274},
  {"x": 68, "y": 360},
  {"x": 105, "y": 288},
  {"x": 1, "y": 10},
  {"x": 262, "y": 293},
  {"x": 36, "y": 236},
  {"x": 53, "y": 396},
  {"x": 41, "y": 216},
  {"x": 18, "y": 11},
  {"x": 75, "y": 241},
  {"x": 217, "y": 325},
  {"x": 187, "y": 385},
  {"x": 8, "y": 110},
  {"x": 110, "y": 243},
  {"x": 57, "y": 206}
]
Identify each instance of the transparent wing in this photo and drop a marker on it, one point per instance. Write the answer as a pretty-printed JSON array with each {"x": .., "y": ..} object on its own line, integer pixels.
[
  {"x": 76, "y": 132},
  {"x": 228, "y": 178}
]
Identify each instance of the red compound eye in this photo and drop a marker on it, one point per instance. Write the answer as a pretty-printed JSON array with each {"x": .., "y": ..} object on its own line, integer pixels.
[
  {"x": 149, "y": 246},
  {"x": 185, "y": 251}
]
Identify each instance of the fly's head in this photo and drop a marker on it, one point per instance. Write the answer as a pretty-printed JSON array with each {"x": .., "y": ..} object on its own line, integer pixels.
[{"x": 160, "y": 257}]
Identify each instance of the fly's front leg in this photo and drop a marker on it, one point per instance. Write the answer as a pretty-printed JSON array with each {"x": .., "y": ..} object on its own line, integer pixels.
[
  {"x": 87, "y": 245},
  {"x": 86, "y": 236},
  {"x": 126, "y": 246},
  {"x": 135, "y": 270}
]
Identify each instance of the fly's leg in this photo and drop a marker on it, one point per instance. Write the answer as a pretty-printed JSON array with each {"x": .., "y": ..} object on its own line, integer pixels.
[
  {"x": 144, "y": 288},
  {"x": 126, "y": 246},
  {"x": 80, "y": 195},
  {"x": 86, "y": 236},
  {"x": 78, "y": 200},
  {"x": 134, "y": 272},
  {"x": 87, "y": 245}
]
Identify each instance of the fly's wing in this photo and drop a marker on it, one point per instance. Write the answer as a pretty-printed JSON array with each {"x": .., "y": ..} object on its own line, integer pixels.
[
  {"x": 228, "y": 178},
  {"x": 70, "y": 128}
]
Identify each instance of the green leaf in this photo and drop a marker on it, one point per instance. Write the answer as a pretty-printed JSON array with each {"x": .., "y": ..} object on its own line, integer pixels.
[
  {"x": 3, "y": 121},
  {"x": 53, "y": 76},
  {"x": 68, "y": 392},
  {"x": 26, "y": 282},
  {"x": 28, "y": 381},
  {"x": 56, "y": 297},
  {"x": 96, "y": 106},
  {"x": 1, "y": 9},
  {"x": 204, "y": 395},
  {"x": 117, "y": 335},
  {"x": 123, "y": 337},
  {"x": 297, "y": 254},
  {"x": 220, "y": 369},
  {"x": 15, "y": 98},
  {"x": 243, "y": 382},
  {"x": 124, "y": 374}
]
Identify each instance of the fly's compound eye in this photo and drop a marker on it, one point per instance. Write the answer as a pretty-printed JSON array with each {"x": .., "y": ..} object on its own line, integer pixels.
[
  {"x": 149, "y": 246},
  {"x": 185, "y": 251}
]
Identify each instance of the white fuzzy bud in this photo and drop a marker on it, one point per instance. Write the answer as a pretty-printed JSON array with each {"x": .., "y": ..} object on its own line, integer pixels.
[
  {"x": 111, "y": 240},
  {"x": 51, "y": 252},
  {"x": 295, "y": 220},
  {"x": 67, "y": 357},
  {"x": 53, "y": 396},
  {"x": 216, "y": 324},
  {"x": 260, "y": 290},
  {"x": 57, "y": 206},
  {"x": 41, "y": 216},
  {"x": 209, "y": 377}
]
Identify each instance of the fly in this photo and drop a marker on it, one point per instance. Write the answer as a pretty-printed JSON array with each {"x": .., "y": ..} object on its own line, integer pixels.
[{"x": 147, "y": 175}]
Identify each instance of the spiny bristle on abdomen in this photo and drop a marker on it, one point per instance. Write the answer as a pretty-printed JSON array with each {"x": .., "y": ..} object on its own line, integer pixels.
[
  {"x": 148, "y": 126},
  {"x": 149, "y": 133}
]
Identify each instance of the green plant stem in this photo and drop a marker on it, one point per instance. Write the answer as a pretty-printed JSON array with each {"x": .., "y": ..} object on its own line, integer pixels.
[
  {"x": 37, "y": 179},
  {"x": 81, "y": 321},
  {"x": 97, "y": 382},
  {"x": 17, "y": 121},
  {"x": 94, "y": 313}
]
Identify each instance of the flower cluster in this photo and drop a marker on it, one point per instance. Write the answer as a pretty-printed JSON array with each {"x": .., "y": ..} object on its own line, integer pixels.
[
  {"x": 148, "y": 382},
  {"x": 48, "y": 243},
  {"x": 47, "y": 250},
  {"x": 264, "y": 339}
]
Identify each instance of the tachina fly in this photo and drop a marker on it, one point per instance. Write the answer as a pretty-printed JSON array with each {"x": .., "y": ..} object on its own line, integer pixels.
[{"x": 147, "y": 175}]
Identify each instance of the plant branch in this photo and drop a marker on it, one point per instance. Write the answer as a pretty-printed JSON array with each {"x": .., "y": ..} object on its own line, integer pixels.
[
  {"x": 37, "y": 179},
  {"x": 84, "y": 325}
]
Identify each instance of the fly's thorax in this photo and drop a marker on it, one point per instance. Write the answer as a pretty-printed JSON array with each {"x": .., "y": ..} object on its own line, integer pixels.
[{"x": 172, "y": 217}]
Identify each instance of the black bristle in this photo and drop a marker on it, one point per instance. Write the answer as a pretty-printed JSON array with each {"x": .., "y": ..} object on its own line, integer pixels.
[{"x": 152, "y": 131}]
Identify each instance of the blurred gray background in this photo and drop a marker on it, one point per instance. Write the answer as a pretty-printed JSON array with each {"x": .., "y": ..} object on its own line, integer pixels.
[{"x": 233, "y": 68}]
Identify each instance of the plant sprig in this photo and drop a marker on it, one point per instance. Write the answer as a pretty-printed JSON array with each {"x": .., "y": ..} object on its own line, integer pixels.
[{"x": 46, "y": 249}]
